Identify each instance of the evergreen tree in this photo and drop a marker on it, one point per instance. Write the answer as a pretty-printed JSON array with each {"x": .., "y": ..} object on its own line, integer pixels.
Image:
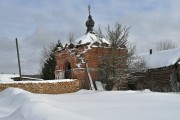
[{"x": 48, "y": 67}]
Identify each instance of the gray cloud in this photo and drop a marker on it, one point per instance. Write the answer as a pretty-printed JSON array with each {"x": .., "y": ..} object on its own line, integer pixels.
[{"x": 40, "y": 23}]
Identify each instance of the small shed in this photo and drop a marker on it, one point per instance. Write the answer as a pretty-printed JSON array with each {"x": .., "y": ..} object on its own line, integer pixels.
[{"x": 163, "y": 72}]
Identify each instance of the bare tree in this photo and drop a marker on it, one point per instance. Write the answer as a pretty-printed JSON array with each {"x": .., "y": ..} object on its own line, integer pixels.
[
  {"x": 131, "y": 55},
  {"x": 135, "y": 63},
  {"x": 45, "y": 53},
  {"x": 71, "y": 38},
  {"x": 48, "y": 62},
  {"x": 117, "y": 35},
  {"x": 112, "y": 59},
  {"x": 165, "y": 45}
]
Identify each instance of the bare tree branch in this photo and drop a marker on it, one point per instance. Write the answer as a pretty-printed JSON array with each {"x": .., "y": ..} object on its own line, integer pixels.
[
  {"x": 165, "y": 45},
  {"x": 71, "y": 38}
]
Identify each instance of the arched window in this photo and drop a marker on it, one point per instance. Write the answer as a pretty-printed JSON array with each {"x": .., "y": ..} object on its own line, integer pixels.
[{"x": 67, "y": 73}]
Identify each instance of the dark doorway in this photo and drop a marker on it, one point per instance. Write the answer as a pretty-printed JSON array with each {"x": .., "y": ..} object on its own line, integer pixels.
[{"x": 67, "y": 71}]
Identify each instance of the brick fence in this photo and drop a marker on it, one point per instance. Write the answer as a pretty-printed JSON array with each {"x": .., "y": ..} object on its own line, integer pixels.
[{"x": 45, "y": 87}]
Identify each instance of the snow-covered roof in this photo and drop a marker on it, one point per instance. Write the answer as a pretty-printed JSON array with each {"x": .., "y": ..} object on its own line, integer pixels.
[
  {"x": 90, "y": 38},
  {"x": 163, "y": 58}
]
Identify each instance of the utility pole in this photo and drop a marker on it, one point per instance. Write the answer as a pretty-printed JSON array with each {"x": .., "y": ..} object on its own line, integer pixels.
[{"x": 19, "y": 65}]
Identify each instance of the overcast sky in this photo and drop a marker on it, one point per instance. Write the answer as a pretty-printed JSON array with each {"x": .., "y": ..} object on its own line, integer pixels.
[{"x": 38, "y": 23}]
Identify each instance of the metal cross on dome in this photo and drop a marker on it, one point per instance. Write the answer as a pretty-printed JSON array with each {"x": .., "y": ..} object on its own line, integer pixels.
[
  {"x": 89, "y": 8},
  {"x": 90, "y": 22}
]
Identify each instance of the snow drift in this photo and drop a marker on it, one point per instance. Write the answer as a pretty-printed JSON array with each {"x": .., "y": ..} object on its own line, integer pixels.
[{"x": 17, "y": 104}]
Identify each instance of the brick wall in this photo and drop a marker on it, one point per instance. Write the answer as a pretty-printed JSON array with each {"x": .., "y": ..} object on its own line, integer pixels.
[
  {"x": 45, "y": 87},
  {"x": 81, "y": 55}
]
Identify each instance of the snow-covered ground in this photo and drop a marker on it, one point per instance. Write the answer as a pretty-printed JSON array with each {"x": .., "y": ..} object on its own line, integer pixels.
[
  {"x": 41, "y": 81},
  {"x": 7, "y": 77},
  {"x": 17, "y": 104}
]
